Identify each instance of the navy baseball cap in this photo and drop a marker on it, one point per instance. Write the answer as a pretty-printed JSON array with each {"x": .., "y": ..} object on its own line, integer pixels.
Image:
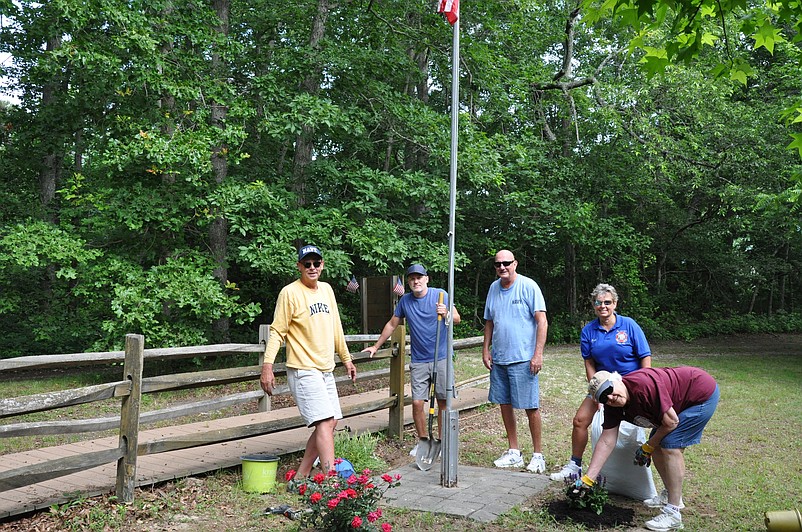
[
  {"x": 416, "y": 268},
  {"x": 308, "y": 250}
]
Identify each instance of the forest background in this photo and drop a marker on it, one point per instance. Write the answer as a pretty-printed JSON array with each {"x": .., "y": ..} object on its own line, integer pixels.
[{"x": 161, "y": 161}]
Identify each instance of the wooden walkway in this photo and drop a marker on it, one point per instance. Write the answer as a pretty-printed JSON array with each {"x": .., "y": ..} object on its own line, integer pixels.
[{"x": 152, "y": 469}]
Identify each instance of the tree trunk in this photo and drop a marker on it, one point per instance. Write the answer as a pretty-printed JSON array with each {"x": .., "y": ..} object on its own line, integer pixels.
[
  {"x": 51, "y": 171},
  {"x": 50, "y": 174},
  {"x": 783, "y": 280},
  {"x": 304, "y": 141},
  {"x": 570, "y": 278},
  {"x": 218, "y": 230}
]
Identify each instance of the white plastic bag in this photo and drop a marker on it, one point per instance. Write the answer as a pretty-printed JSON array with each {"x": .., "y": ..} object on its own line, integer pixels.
[{"x": 623, "y": 476}]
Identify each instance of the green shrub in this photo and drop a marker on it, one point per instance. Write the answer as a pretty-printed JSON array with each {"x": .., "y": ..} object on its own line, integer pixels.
[{"x": 360, "y": 450}]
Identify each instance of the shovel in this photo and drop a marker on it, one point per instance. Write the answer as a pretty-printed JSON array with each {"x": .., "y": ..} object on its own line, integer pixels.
[{"x": 428, "y": 450}]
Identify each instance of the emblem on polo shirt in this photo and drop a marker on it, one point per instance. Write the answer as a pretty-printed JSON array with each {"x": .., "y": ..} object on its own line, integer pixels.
[{"x": 621, "y": 337}]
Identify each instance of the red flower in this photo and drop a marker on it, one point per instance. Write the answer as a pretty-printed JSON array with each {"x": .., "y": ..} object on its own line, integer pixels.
[
  {"x": 387, "y": 478},
  {"x": 351, "y": 493},
  {"x": 290, "y": 475},
  {"x": 319, "y": 478},
  {"x": 379, "y": 512},
  {"x": 302, "y": 489},
  {"x": 372, "y": 517},
  {"x": 315, "y": 498},
  {"x": 356, "y": 522},
  {"x": 352, "y": 480},
  {"x": 386, "y": 527},
  {"x": 338, "y": 461},
  {"x": 332, "y": 504}
]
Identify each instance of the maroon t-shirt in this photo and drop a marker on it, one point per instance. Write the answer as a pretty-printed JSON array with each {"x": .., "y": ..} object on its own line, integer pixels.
[{"x": 653, "y": 391}]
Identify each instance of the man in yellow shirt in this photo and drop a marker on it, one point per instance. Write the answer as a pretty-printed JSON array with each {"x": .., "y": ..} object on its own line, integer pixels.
[{"x": 308, "y": 321}]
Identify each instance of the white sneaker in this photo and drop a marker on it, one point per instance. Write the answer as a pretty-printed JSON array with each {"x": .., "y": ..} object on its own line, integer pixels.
[
  {"x": 660, "y": 500},
  {"x": 667, "y": 520},
  {"x": 510, "y": 458},
  {"x": 538, "y": 464},
  {"x": 569, "y": 471}
]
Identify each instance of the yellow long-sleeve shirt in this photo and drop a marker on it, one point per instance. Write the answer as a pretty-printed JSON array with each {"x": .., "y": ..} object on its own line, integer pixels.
[{"x": 308, "y": 321}]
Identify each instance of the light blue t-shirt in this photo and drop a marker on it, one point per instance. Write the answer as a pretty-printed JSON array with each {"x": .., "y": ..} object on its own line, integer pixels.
[
  {"x": 512, "y": 311},
  {"x": 421, "y": 316}
]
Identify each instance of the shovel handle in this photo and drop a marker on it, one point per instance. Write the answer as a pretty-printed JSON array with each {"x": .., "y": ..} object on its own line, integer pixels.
[{"x": 434, "y": 367}]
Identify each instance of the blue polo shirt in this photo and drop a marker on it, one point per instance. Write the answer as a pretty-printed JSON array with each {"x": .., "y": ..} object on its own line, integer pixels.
[
  {"x": 619, "y": 349},
  {"x": 512, "y": 311},
  {"x": 421, "y": 316}
]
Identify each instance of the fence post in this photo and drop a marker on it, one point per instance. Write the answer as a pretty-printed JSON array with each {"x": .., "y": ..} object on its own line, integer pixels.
[
  {"x": 129, "y": 416},
  {"x": 265, "y": 404},
  {"x": 395, "y": 428}
]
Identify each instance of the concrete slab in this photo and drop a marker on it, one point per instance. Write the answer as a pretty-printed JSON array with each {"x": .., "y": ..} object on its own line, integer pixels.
[{"x": 481, "y": 494}]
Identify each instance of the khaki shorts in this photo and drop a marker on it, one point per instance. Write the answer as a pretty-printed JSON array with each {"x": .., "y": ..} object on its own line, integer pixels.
[{"x": 315, "y": 394}]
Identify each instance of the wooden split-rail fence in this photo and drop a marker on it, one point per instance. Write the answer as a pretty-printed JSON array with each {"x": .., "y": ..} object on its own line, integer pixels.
[{"x": 132, "y": 386}]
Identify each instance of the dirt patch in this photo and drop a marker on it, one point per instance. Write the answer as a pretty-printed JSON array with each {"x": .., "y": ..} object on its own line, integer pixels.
[{"x": 613, "y": 516}]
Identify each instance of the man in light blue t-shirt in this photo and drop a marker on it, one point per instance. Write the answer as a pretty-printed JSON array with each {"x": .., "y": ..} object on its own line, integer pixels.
[
  {"x": 514, "y": 338},
  {"x": 421, "y": 308}
]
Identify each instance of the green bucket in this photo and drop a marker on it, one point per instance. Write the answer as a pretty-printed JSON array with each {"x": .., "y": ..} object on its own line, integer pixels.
[{"x": 259, "y": 472}]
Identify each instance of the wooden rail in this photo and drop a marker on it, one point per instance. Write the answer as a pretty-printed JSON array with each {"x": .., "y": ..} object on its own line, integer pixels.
[{"x": 130, "y": 389}]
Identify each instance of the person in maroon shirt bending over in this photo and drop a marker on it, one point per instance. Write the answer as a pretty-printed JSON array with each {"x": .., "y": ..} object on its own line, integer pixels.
[{"x": 676, "y": 403}]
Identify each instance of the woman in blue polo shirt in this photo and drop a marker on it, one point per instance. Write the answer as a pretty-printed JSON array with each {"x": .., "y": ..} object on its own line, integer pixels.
[{"x": 611, "y": 343}]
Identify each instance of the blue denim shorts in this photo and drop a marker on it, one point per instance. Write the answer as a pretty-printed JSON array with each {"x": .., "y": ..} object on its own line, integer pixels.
[
  {"x": 514, "y": 384},
  {"x": 692, "y": 422}
]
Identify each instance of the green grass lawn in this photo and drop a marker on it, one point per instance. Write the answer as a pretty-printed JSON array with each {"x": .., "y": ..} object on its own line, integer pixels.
[
  {"x": 750, "y": 458},
  {"x": 749, "y": 461}
]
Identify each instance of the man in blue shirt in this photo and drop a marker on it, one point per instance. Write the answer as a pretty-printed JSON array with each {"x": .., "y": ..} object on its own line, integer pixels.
[
  {"x": 514, "y": 338},
  {"x": 421, "y": 308}
]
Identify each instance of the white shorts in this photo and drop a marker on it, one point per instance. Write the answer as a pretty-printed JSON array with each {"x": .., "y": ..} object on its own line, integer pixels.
[{"x": 315, "y": 394}]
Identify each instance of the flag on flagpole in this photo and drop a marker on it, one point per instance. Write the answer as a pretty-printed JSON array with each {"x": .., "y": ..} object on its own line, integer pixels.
[
  {"x": 352, "y": 285},
  {"x": 398, "y": 289},
  {"x": 449, "y": 8}
]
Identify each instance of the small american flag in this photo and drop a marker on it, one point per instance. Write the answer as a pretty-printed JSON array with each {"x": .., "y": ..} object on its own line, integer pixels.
[
  {"x": 352, "y": 285},
  {"x": 398, "y": 289}
]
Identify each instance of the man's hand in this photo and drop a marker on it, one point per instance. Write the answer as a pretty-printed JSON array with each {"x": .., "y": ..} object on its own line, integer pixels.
[
  {"x": 536, "y": 364},
  {"x": 267, "y": 380},
  {"x": 580, "y": 488},
  {"x": 487, "y": 359},
  {"x": 643, "y": 455},
  {"x": 372, "y": 350},
  {"x": 351, "y": 369}
]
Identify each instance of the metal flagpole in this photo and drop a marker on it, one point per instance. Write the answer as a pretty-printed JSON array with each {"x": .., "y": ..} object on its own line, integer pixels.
[{"x": 448, "y": 471}]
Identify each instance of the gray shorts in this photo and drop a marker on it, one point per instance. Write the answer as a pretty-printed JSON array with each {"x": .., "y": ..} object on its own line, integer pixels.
[
  {"x": 315, "y": 394},
  {"x": 420, "y": 374}
]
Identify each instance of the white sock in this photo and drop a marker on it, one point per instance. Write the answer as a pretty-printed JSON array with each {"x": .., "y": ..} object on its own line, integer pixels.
[{"x": 673, "y": 509}]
